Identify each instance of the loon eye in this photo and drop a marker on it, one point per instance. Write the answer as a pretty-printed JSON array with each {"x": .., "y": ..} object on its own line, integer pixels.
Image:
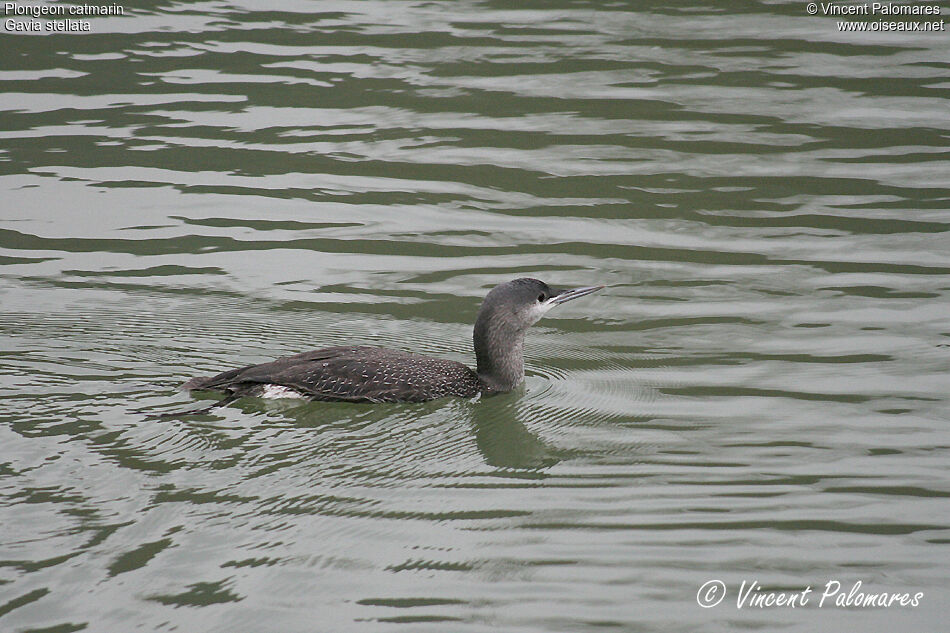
[{"x": 541, "y": 298}]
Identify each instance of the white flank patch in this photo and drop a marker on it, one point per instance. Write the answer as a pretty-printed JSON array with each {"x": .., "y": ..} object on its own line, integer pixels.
[{"x": 280, "y": 391}]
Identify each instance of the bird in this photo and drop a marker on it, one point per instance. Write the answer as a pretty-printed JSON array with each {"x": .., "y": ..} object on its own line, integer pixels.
[{"x": 374, "y": 374}]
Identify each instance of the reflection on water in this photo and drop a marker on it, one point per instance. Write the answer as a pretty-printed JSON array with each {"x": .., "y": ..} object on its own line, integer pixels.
[
  {"x": 760, "y": 394},
  {"x": 504, "y": 440}
]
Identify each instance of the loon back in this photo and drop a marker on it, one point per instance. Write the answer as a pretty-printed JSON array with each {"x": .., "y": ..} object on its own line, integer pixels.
[{"x": 349, "y": 374}]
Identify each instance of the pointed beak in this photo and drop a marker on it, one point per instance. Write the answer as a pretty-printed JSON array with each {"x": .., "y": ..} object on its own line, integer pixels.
[{"x": 563, "y": 296}]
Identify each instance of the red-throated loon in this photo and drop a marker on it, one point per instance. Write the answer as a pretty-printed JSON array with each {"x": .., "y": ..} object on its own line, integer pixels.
[{"x": 374, "y": 374}]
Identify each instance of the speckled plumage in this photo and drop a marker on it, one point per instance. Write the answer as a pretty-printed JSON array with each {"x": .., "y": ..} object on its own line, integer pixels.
[
  {"x": 350, "y": 374},
  {"x": 374, "y": 374}
]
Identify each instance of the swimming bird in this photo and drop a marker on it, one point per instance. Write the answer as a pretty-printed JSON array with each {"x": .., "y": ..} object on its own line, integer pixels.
[{"x": 375, "y": 374}]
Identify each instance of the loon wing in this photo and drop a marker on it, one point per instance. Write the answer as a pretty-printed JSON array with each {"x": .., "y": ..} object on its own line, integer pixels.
[{"x": 354, "y": 374}]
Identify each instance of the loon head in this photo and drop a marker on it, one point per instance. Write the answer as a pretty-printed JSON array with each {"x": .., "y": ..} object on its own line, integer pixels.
[{"x": 520, "y": 303}]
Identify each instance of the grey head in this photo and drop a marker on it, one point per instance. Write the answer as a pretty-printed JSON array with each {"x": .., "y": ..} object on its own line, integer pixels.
[{"x": 506, "y": 314}]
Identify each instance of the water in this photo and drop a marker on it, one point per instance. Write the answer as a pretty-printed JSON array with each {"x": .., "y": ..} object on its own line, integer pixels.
[{"x": 760, "y": 395}]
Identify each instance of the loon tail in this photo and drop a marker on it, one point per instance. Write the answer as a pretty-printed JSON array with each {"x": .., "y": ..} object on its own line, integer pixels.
[
  {"x": 197, "y": 382},
  {"x": 199, "y": 411}
]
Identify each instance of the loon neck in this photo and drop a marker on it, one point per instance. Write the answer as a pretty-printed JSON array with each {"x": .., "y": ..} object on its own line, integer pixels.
[{"x": 499, "y": 351}]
